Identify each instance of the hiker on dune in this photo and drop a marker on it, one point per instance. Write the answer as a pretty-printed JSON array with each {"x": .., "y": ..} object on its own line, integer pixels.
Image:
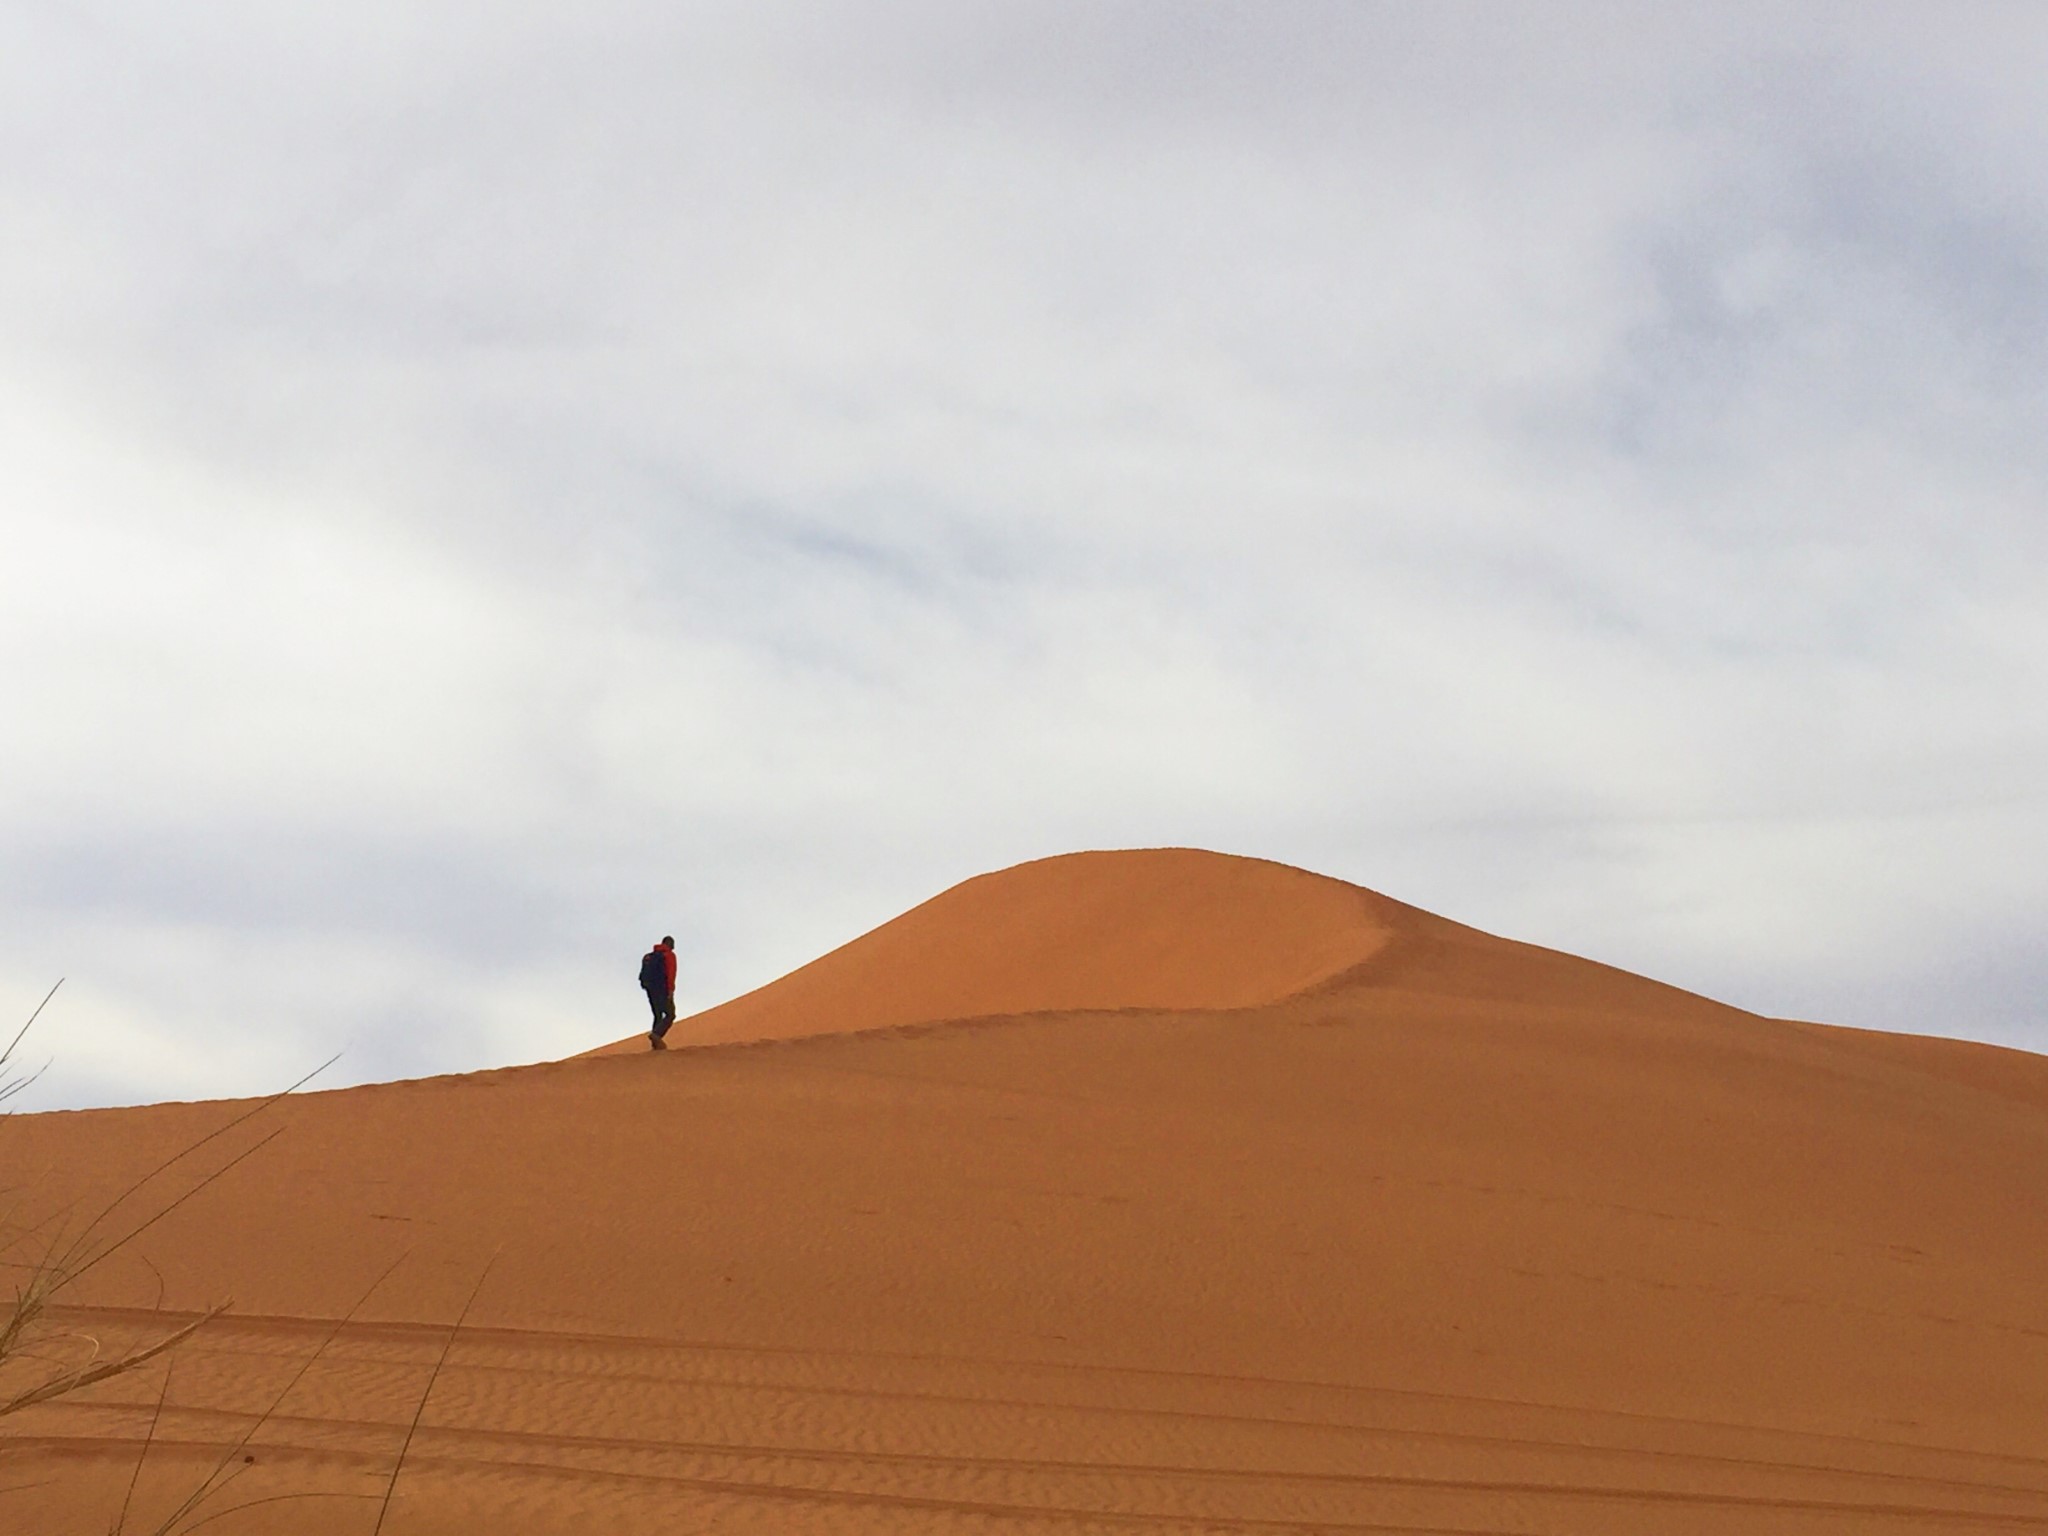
[{"x": 658, "y": 981}]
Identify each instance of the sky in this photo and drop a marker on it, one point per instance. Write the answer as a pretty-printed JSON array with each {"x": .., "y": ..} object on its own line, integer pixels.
[{"x": 483, "y": 486}]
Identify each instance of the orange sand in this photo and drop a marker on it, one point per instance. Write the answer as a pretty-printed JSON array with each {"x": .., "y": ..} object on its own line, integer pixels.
[
  {"x": 1168, "y": 928},
  {"x": 1231, "y": 1199}
]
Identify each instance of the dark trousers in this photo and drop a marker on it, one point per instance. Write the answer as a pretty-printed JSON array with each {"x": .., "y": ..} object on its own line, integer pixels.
[{"x": 664, "y": 1006}]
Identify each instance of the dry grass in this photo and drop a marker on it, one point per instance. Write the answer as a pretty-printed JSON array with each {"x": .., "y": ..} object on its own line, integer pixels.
[
  {"x": 42, "y": 1361},
  {"x": 35, "y": 1364},
  {"x": 191, "y": 1512}
]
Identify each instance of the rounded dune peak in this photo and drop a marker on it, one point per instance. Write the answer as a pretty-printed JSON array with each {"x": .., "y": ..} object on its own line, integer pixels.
[{"x": 1151, "y": 928}]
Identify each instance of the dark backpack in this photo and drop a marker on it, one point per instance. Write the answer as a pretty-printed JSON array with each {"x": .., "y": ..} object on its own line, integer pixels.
[{"x": 653, "y": 972}]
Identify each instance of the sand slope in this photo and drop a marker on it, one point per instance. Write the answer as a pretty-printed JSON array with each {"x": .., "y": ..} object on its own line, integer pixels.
[
  {"x": 1458, "y": 1235},
  {"x": 1147, "y": 928}
]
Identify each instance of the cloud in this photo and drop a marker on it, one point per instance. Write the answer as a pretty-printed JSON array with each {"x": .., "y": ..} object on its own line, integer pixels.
[{"x": 486, "y": 488}]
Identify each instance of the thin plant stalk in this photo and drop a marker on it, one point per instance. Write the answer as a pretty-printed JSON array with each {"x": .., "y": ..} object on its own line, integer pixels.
[
  {"x": 405, "y": 1446},
  {"x": 225, "y": 1471}
]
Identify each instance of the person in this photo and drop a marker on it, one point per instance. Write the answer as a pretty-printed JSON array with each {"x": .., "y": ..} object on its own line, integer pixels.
[{"x": 658, "y": 981}]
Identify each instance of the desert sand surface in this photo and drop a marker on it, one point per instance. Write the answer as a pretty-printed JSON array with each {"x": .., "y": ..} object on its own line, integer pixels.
[
  {"x": 1142, "y": 1191},
  {"x": 1174, "y": 929}
]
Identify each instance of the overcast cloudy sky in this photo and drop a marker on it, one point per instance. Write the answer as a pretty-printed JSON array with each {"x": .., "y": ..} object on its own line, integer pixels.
[{"x": 484, "y": 485}]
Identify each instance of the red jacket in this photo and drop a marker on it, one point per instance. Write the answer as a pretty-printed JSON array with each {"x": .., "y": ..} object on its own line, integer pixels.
[{"x": 658, "y": 968}]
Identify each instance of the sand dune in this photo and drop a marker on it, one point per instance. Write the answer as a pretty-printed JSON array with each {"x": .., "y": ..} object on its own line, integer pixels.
[
  {"x": 1150, "y": 928},
  {"x": 1234, "y": 1199}
]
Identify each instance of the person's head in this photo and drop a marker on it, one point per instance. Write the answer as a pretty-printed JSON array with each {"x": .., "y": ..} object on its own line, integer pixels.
[{"x": 668, "y": 941}]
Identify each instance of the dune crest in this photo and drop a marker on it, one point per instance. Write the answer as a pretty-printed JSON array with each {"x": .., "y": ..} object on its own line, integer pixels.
[{"x": 1155, "y": 928}]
